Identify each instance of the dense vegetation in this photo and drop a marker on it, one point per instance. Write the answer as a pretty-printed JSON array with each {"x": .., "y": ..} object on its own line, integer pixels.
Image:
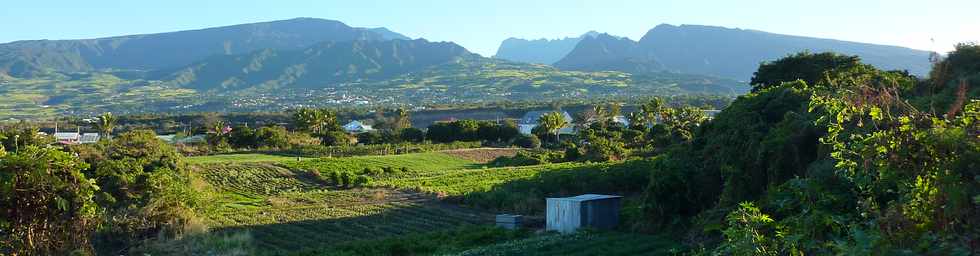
[
  {"x": 843, "y": 164},
  {"x": 826, "y": 155}
]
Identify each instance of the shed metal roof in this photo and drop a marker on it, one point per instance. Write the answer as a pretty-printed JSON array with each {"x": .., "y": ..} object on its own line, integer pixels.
[{"x": 586, "y": 197}]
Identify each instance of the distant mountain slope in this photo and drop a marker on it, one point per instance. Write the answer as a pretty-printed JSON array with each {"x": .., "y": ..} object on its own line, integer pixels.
[
  {"x": 736, "y": 53},
  {"x": 174, "y": 49},
  {"x": 319, "y": 65},
  {"x": 540, "y": 51},
  {"x": 605, "y": 52}
]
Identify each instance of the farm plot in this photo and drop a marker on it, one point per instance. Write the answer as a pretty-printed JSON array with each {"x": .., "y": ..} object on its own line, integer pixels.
[
  {"x": 482, "y": 155},
  {"x": 461, "y": 182},
  {"x": 414, "y": 163},
  {"x": 237, "y": 158},
  {"x": 286, "y": 210}
]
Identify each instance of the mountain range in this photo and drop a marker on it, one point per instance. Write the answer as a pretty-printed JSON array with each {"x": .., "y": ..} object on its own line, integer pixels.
[
  {"x": 319, "y": 65},
  {"x": 539, "y": 51},
  {"x": 723, "y": 52},
  {"x": 301, "y": 62},
  {"x": 175, "y": 49}
]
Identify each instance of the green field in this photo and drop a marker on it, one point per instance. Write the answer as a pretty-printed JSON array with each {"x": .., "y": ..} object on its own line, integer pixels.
[
  {"x": 237, "y": 158},
  {"x": 419, "y": 163},
  {"x": 285, "y": 206},
  {"x": 460, "y": 182},
  {"x": 582, "y": 243}
]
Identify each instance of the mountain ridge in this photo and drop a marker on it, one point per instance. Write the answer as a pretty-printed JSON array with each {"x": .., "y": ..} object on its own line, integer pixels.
[
  {"x": 27, "y": 58},
  {"x": 736, "y": 53},
  {"x": 320, "y": 64},
  {"x": 538, "y": 51}
]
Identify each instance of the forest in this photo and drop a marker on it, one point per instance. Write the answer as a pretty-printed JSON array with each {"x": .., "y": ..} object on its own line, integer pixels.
[{"x": 825, "y": 155}]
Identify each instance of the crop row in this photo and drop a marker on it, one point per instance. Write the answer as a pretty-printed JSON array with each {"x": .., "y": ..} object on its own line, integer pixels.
[
  {"x": 257, "y": 178},
  {"x": 312, "y": 227}
]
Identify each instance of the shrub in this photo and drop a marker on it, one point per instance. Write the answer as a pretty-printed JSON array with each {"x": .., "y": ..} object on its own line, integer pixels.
[{"x": 528, "y": 141}]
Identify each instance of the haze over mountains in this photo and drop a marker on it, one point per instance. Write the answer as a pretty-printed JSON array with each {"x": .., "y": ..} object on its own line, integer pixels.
[
  {"x": 722, "y": 52},
  {"x": 540, "y": 51}
]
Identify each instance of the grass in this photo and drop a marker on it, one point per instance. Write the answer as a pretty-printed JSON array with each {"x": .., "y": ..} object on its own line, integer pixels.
[
  {"x": 285, "y": 208},
  {"x": 419, "y": 163},
  {"x": 582, "y": 243},
  {"x": 237, "y": 158}
]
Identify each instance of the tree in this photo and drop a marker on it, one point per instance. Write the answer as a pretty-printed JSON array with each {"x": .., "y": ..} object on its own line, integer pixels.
[
  {"x": 46, "y": 205},
  {"x": 105, "y": 125},
  {"x": 553, "y": 122},
  {"x": 316, "y": 121},
  {"x": 410, "y": 134},
  {"x": 402, "y": 120},
  {"x": 806, "y": 66}
]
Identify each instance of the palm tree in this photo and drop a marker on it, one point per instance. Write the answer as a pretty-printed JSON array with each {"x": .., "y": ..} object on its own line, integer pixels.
[
  {"x": 402, "y": 119},
  {"x": 107, "y": 123},
  {"x": 553, "y": 122},
  {"x": 651, "y": 110}
]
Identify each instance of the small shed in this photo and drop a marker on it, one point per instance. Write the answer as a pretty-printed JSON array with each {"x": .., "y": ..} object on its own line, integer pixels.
[
  {"x": 509, "y": 221},
  {"x": 568, "y": 214}
]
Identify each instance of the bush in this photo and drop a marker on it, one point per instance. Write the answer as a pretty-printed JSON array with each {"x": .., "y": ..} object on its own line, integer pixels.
[
  {"x": 524, "y": 158},
  {"x": 528, "y": 141},
  {"x": 413, "y": 135},
  {"x": 336, "y": 138}
]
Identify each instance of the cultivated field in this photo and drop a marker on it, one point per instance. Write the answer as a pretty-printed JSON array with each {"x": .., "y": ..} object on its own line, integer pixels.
[{"x": 286, "y": 207}]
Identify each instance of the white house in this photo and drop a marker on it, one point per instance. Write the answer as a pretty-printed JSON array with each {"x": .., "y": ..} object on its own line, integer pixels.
[
  {"x": 357, "y": 127},
  {"x": 530, "y": 120},
  {"x": 89, "y": 138},
  {"x": 67, "y": 138},
  {"x": 622, "y": 120}
]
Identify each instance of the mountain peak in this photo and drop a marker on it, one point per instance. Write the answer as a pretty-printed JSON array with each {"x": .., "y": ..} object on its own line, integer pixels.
[
  {"x": 175, "y": 49},
  {"x": 540, "y": 51}
]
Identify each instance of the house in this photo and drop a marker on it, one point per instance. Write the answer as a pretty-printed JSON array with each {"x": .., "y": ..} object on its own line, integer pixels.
[
  {"x": 357, "y": 127},
  {"x": 89, "y": 138},
  {"x": 711, "y": 113},
  {"x": 568, "y": 214},
  {"x": 622, "y": 120},
  {"x": 67, "y": 138},
  {"x": 530, "y": 120}
]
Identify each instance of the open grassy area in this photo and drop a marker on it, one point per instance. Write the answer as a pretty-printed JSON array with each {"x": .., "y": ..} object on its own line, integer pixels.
[
  {"x": 419, "y": 163},
  {"x": 284, "y": 207},
  {"x": 238, "y": 158}
]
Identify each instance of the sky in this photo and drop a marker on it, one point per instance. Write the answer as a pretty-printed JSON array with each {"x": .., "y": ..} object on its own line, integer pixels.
[{"x": 480, "y": 26}]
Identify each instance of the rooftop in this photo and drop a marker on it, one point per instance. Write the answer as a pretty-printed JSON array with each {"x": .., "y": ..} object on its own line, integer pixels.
[{"x": 587, "y": 197}]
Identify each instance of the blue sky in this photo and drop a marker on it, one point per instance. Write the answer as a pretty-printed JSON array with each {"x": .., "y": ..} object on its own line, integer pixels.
[{"x": 481, "y": 25}]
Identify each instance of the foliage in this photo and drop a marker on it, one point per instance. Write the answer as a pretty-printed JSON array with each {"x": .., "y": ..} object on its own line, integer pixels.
[
  {"x": 338, "y": 138},
  {"x": 524, "y": 158},
  {"x": 809, "y": 67},
  {"x": 412, "y": 135},
  {"x": 46, "y": 201},
  {"x": 144, "y": 190},
  {"x": 274, "y": 137},
  {"x": 371, "y": 150},
  {"x": 528, "y": 141},
  {"x": 105, "y": 125},
  {"x": 750, "y": 232},
  {"x": 584, "y": 243},
  {"x": 425, "y": 243},
  {"x": 552, "y": 122}
]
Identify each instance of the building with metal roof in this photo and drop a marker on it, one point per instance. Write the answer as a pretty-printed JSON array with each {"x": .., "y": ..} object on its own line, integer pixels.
[{"x": 568, "y": 214}]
